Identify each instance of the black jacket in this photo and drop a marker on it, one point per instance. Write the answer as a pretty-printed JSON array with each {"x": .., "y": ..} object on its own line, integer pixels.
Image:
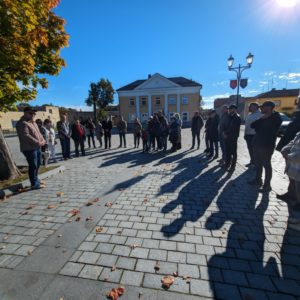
[
  {"x": 291, "y": 131},
  {"x": 75, "y": 134},
  {"x": 107, "y": 126},
  {"x": 197, "y": 124},
  {"x": 232, "y": 128},
  {"x": 266, "y": 131},
  {"x": 212, "y": 130}
]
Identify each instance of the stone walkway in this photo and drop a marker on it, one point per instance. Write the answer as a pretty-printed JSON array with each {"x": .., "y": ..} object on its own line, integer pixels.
[{"x": 144, "y": 216}]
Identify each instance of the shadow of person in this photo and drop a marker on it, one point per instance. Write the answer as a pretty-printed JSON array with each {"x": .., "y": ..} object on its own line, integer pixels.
[
  {"x": 244, "y": 260},
  {"x": 195, "y": 197}
]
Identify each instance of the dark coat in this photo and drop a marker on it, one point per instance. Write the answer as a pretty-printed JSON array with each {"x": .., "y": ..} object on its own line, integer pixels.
[
  {"x": 212, "y": 130},
  {"x": 291, "y": 131},
  {"x": 197, "y": 124},
  {"x": 266, "y": 131},
  {"x": 232, "y": 128},
  {"x": 75, "y": 134},
  {"x": 107, "y": 126}
]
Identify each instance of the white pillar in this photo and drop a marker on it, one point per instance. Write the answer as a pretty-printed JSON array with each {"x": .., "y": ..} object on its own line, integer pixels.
[
  {"x": 166, "y": 105},
  {"x": 137, "y": 106},
  {"x": 178, "y": 103},
  {"x": 149, "y": 106}
]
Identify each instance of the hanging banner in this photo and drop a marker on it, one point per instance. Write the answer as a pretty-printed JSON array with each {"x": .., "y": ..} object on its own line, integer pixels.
[
  {"x": 243, "y": 83},
  {"x": 233, "y": 83}
]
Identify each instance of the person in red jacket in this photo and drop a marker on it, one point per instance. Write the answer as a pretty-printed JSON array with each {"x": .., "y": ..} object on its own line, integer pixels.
[{"x": 78, "y": 136}]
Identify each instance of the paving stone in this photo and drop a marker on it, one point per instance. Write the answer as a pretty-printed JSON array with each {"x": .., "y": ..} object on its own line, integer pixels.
[
  {"x": 196, "y": 259},
  {"x": 108, "y": 275},
  {"x": 104, "y": 248},
  {"x": 139, "y": 252},
  {"x": 71, "y": 269},
  {"x": 88, "y": 246},
  {"x": 89, "y": 257},
  {"x": 107, "y": 260},
  {"x": 146, "y": 266},
  {"x": 186, "y": 247},
  {"x": 178, "y": 257},
  {"x": 167, "y": 245},
  {"x": 90, "y": 272},
  {"x": 157, "y": 254},
  {"x": 126, "y": 263},
  {"x": 121, "y": 250},
  {"x": 25, "y": 250},
  {"x": 201, "y": 288},
  {"x": 188, "y": 270},
  {"x": 132, "y": 278}
]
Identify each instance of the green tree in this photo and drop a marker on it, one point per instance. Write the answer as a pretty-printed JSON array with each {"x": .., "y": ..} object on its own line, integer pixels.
[
  {"x": 100, "y": 95},
  {"x": 31, "y": 36}
]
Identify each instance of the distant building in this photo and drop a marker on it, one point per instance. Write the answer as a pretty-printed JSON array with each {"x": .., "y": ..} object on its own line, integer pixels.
[
  {"x": 141, "y": 98},
  {"x": 9, "y": 119},
  {"x": 285, "y": 100}
]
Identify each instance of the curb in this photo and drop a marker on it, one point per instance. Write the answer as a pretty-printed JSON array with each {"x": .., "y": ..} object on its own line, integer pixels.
[{"x": 23, "y": 184}]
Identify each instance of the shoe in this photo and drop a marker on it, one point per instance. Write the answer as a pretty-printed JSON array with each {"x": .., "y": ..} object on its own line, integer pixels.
[
  {"x": 295, "y": 226},
  {"x": 37, "y": 186},
  {"x": 265, "y": 189},
  {"x": 285, "y": 197},
  {"x": 248, "y": 165},
  {"x": 256, "y": 182},
  {"x": 192, "y": 147}
]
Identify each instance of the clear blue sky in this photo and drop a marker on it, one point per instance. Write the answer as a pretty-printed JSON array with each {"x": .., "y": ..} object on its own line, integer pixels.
[{"x": 125, "y": 40}]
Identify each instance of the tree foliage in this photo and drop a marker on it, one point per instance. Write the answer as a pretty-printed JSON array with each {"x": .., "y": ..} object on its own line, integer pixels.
[
  {"x": 100, "y": 93},
  {"x": 31, "y": 36}
]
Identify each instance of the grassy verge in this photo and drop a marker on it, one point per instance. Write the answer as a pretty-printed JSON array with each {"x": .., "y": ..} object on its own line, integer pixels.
[{"x": 7, "y": 183}]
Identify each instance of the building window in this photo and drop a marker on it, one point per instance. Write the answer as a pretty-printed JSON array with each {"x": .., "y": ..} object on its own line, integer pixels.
[
  {"x": 144, "y": 117},
  {"x": 172, "y": 100},
  {"x": 131, "y": 102},
  {"x": 131, "y": 117},
  {"x": 185, "y": 100},
  {"x": 50, "y": 111},
  {"x": 144, "y": 101},
  {"x": 185, "y": 116},
  {"x": 157, "y": 101}
]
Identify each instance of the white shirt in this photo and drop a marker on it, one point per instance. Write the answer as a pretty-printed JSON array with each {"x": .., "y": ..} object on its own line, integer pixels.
[{"x": 249, "y": 120}]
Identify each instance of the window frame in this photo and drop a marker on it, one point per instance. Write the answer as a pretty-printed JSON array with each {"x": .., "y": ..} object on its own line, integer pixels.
[
  {"x": 185, "y": 100},
  {"x": 131, "y": 102},
  {"x": 187, "y": 114}
]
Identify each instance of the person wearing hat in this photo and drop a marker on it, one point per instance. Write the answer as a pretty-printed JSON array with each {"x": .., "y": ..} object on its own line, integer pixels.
[
  {"x": 31, "y": 141},
  {"x": 231, "y": 135},
  {"x": 254, "y": 114},
  {"x": 266, "y": 130}
]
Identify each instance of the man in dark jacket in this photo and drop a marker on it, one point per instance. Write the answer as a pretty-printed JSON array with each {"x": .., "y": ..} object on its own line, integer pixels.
[
  {"x": 107, "y": 127},
  {"x": 231, "y": 135},
  {"x": 197, "y": 124},
  {"x": 290, "y": 133},
  {"x": 266, "y": 129},
  {"x": 78, "y": 136},
  {"x": 213, "y": 135},
  {"x": 164, "y": 129},
  {"x": 122, "y": 128}
]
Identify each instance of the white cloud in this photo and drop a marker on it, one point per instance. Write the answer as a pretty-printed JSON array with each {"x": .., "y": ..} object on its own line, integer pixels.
[
  {"x": 269, "y": 73},
  {"x": 208, "y": 101}
]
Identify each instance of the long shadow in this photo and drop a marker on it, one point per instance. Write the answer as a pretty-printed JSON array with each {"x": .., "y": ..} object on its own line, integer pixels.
[
  {"x": 109, "y": 152},
  {"x": 249, "y": 263},
  {"x": 195, "y": 197}
]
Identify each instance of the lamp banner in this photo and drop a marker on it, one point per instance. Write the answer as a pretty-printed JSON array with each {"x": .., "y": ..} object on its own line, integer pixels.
[
  {"x": 233, "y": 83},
  {"x": 243, "y": 83}
]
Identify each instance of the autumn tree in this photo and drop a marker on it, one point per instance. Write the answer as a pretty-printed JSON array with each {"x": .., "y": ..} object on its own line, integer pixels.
[
  {"x": 31, "y": 36},
  {"x": 100, "y": 95}
]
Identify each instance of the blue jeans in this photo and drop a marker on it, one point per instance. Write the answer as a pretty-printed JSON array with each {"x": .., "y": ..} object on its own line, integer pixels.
[
  {"x": 33, "y": 158},
  {"x": 65, "y": 147}
]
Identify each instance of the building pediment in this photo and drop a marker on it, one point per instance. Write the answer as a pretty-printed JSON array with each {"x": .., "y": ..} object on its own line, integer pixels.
[{"x": 157, "y": 81}]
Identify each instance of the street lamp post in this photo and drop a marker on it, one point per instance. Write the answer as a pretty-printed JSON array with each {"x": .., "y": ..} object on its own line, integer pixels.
[{"x": 239, "y": 70}]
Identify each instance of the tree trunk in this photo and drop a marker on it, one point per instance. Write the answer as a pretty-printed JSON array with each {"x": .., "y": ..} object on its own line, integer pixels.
[{"x": 8, "y": 168}]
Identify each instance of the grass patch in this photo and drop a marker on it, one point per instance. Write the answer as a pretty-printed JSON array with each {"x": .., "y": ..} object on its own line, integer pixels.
[{"x": 24, "y": 170}]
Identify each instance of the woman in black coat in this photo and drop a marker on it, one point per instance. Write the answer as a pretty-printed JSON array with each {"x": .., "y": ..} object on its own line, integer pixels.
[{"x": 213, "y": 135}]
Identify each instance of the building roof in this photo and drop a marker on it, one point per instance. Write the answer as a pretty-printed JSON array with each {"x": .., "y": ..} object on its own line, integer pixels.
[
  {"x": 182, "y": 81},
  {"x": 279, "y": 93}
]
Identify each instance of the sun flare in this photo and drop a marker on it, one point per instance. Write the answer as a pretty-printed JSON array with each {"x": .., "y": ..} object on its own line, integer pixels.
[{"x": 287, "y": 3}]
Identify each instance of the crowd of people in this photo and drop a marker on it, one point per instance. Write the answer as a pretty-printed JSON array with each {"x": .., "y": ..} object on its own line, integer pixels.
[{"x": 38, "y": 141}]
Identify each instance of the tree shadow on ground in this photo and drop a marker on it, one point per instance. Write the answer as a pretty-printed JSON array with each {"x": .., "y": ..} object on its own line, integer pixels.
[
  {"x": 195, "y": 197},
  {"x": 248, "y": 267}
]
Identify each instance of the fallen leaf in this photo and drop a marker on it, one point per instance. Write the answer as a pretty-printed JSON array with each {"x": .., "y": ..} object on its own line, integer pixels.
[
  {"x": 29, "y": 252},
  {"x": 60, "y": 235},
  {"x": 167, "y": 281},
  {"x": 63, "y": 201},
  {"x": 108, "y": 204},
  {"x": 5, "y": 238},
  {"x": 134, "y": 246},
  {"x": 42, "y": 182},
  {"x": 96, "y": 200},
  {"x": 30, "y": 206},
  {"x": 186, "y": 277},
  {"x": 21, "y": 190},
  {"x": 113, "y": 268},
  {"x": 146, "y": 200},
  {"x": 89, "y": 218},
  {"x": 119, "y": 232},
  {"x": 175, "y": 274},
  {"x": 99, "y": 229},
  {"x": 24, "y": 212},
  {"x": 113, "y": 294},
  {"x": 59, "y": 194},
  {"x": 89, "y": 204},
  {"x": 74, "y": 212},
  {"x": 2, "y": 247},
  {"x": 51, "y": 206},
  {"x": 157, "y": 266},
  {"x": 77, "y": 219},
  {"x": 121, "y": 290}
]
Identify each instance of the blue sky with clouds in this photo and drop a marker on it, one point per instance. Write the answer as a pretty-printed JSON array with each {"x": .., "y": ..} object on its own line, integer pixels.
[{"x": 125, "y": 40}]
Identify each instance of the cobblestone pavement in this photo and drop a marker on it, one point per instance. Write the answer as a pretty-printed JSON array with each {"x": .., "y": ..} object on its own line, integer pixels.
[{"x": 153, "y": 215}]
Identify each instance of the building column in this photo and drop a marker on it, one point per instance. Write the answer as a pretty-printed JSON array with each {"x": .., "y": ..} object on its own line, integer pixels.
[
  {"x": 166, "y": 105},
  {"x": 149, "y": 106},
  {"x": 178, "y": 103},
  {"x": 137, "y": 106}
]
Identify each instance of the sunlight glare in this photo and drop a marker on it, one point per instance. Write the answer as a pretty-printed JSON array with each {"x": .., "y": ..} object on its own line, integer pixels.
[{"x": 287, "y": 3}]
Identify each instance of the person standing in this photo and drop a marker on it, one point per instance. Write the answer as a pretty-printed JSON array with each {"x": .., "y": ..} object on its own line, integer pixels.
[
  {"x": 107, "y": 127},
  {"x": 290, "y": 133},
  {"x": 31, "y": 141},
  {"x": 122, "y": 127},
  {"x": 51, "y": 139},
  {"x": 99, "y": 133},
  {"x": 90, "y": 130},
  {"x": 174, "y": 132},
  {"x": 164, "y": 130},
  {"x": 291, "y": 153},
  {"x": 207, "y": 125},
  {"x": 45, "y": 148},
  {"x": 179, "y": 121},
  {"x": 156, "y": 132},
  {"x": 213, "y": 135},
  {"x": 151, "y": 135},
  {"x": 222, "y": 125},
  {"x": 197, "y": 124},
  {"x": 231, "y": 135},
  {"x": 78, "y": 136},
  {"x": 64, "y": 133},
  {"x": 254, "y": 114},
  {"x": 266, "y": 130},
  {"x": 137, "y": 131}
]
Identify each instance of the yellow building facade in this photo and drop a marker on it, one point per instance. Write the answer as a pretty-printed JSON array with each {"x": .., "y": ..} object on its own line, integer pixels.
[
  {"x": 142, "y": 98},
  {"x": 9, "y": 119},
  {"x": 285, "y": 100}
]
